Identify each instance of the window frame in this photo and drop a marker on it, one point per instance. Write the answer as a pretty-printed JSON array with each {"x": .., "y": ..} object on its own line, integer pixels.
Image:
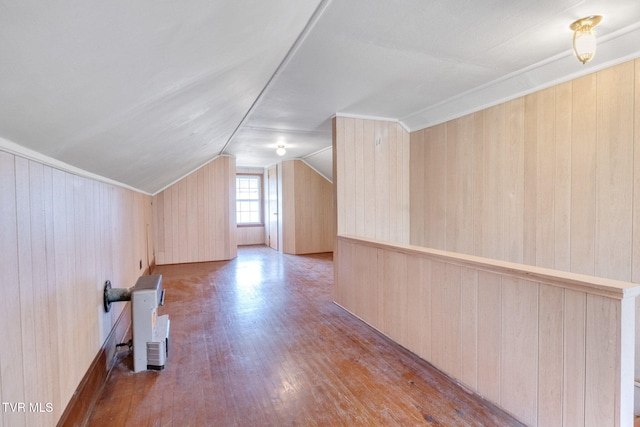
[{"x": 260, "y": 200}]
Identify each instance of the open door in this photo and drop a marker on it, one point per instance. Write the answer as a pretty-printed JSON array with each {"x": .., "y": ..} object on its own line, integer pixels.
[{"x": 272, "y": 210}]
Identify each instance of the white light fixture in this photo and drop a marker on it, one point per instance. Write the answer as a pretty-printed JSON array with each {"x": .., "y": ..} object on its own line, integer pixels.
[
  {"x": 584, "y": 37},
  {"x": 280, "y": 151}
]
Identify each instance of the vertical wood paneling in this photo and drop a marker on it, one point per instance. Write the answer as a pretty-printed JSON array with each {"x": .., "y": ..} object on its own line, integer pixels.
[
  {"x": 635, "y": 266},
  {"x": 382, "y": 179},
  {"x": 418, "y": 307},
  {"x": 493, "y": 182},
  {"x": 546, "y": 353},
  {"x": 62, "y": 237},
  {"x": 51, "y": 321},
  {"x": 184, "y": 209},
  {"x": 553, "y": 178},
  {"x": 375, "y": 165},
  {"x": 636, "y": 180},
  {"x": 583, "y": 175},
  {"x": 513, "y": 169},
  {"x": 350, "y": 153},
  {"x": 489, "y": 335},
  {"x": 12, "y": 387},
  {"x": 394, "y": 296},
  {"x": 614, "y": 174},
  {"x": 416, "y": 183},
  {"x": 288, "y": 213},
  {"x": 436, "y": 179},
  {"x": 573, "y": 399},
  {"x": 26, "y": 272},
  {"x": 550, "y": 356},
  {"x": 469, "y": 328},
  {"x": 562, "y": 179},
  {"x": 519, "y": 352},
  {"x": 446, "y": 318},
  {"x": 361, "y": 178},
  {"x": 539, "y": 179},
  {"x": 600, "y": 361},
  {"x": 307, "y": 212},
  {"x": 459, "y": 233}
]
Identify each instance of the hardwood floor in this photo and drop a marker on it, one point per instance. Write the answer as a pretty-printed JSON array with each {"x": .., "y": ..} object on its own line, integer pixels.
[{"x": 257, "y": 341}]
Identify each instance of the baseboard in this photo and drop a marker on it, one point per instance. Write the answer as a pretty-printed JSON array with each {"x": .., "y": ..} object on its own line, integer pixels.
[{"x": 84, "y": 398}]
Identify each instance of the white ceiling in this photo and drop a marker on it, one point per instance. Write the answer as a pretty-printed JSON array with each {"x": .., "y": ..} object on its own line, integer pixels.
[{"x": 144, "y": 92}]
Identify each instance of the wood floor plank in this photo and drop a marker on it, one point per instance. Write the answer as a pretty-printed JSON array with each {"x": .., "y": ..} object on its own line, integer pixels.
[{"x": 258, "y": 341}]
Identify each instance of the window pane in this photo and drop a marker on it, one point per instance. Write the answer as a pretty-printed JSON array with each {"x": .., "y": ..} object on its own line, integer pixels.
[{"x": 248, "y": 199}]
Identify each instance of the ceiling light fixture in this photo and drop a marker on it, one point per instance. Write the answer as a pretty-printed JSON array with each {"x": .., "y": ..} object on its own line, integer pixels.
[
  {"x": 584, "y": 37},
  {"x": 280, "y": 151}
]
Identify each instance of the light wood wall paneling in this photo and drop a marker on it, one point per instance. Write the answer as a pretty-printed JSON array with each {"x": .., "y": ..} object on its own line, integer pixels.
[
  {"x": 371, "y": 227},
  {"x": 195, "y": 217},
  {"x": 552, "y": 348},
  {"x": 382, "y": 177},
  {"x": 469, "y": 328},
  {"x": 62, "y": 237},
  {"x": 307, "y": 210},
  {"x": 562, "y": 179},
  {"x": 553, "y": 178},
  {"x": 12, "y": 388},
  {"x": 435, "y": 221},
  {"x": 602, "y": 317},
  {"x": 394, "y": 296},
  {"x": 573, "y": 398},
  {"x": 359, "y": 178},
  {"x": 419, "y": 306},
  {"x": 550, "y": 355},
  {"x": 539, "y": 178},
  {"x": 251, "y": 236},
  {"x": 635, "y": 273},
  {"x": 416, "y": 182},
  {"x": 614, "y": 174},
  {"x": 493, "y": 213},
  {"x": 459, "y": 221},
  {"x": 519, "y": 352},
  {"x": 489, "y": 334},
  {"x": 583, "y": 176},
  {"x": 636, "y": 178},
  {"x": 288, "y": 213},
  {"x": 449, "y": 344},
  {"x": 514, "y": 180},
  {"x": 26, "y": 280},
  {"x": 375, "y": 164}
]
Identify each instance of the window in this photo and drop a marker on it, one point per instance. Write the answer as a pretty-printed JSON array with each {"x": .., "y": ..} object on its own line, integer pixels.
[{"x": 249, "y": 199}]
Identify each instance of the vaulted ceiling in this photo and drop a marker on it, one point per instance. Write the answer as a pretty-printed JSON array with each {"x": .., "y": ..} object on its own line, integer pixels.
[{"x": 144, "y": 92}]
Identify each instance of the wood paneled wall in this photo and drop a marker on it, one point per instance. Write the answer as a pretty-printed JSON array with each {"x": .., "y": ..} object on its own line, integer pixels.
[
  {"x": 195, "y": 218},
  {"x": 551, "y": 179},
  {"x": 251, "y": 236},
  {"x": 61, "y": 237},
  {"x": 552, "y": 348},
  {"x": 371, "y": 174},
  {"x": 307, "y": 217}
]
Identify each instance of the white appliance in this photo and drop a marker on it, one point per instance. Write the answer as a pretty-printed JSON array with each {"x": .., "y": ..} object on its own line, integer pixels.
[{"x": 150, "y": 331}]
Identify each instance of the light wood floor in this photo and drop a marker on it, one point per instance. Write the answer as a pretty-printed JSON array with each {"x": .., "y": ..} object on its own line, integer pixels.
[{"x": 257, "y": 341}]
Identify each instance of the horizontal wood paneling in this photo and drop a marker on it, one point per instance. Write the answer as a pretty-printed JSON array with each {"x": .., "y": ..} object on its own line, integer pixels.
[
  {"x": 372, "y": 178},
  {"x": 308, "y": 218},
  {"x": 63, "y": 236},
  {"x": 518, "y": 335},
  {"x": 195, "y": 218}
]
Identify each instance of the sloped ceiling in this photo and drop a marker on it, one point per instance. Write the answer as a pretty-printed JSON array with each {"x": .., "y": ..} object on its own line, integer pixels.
[{"x": 144, "y": 92}]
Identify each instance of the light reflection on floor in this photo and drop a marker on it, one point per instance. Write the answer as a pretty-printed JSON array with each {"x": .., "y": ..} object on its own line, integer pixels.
[{"x": 250, "y": 284}]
